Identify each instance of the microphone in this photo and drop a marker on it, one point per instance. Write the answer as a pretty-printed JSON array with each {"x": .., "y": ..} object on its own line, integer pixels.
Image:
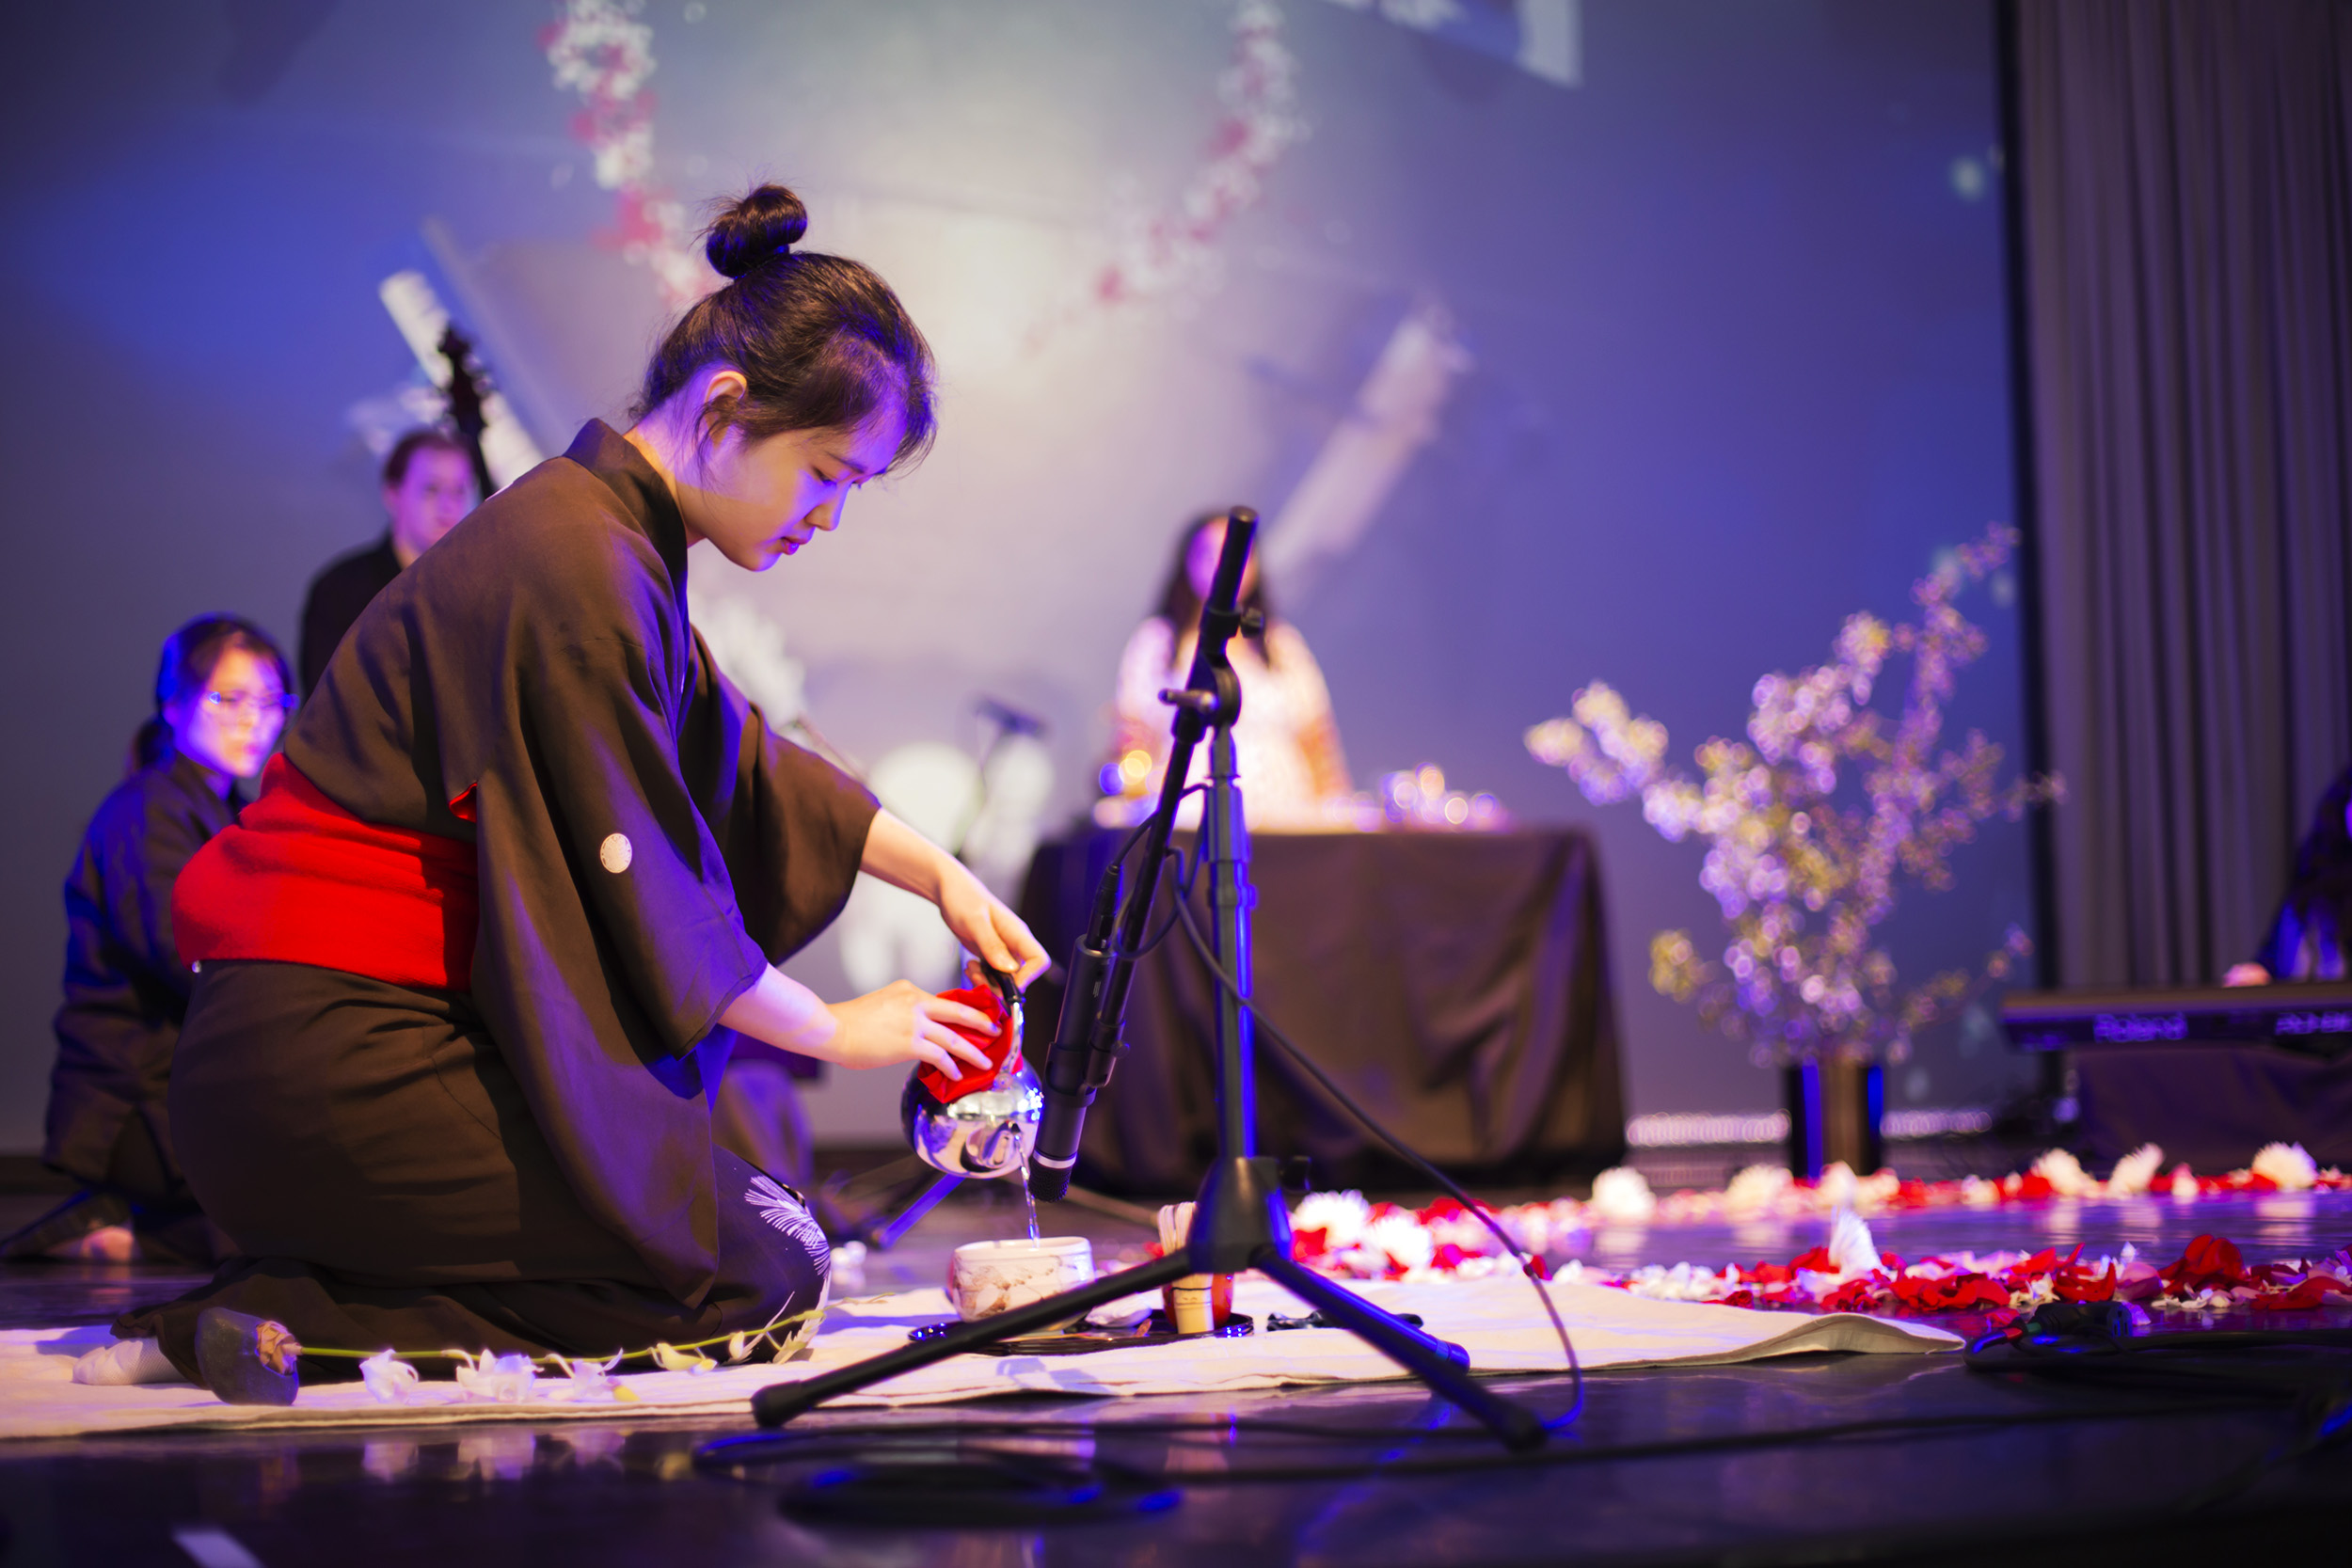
[
  {"x": 1074, "y": 1070},
  {"x": 1087, "y": 1042}
]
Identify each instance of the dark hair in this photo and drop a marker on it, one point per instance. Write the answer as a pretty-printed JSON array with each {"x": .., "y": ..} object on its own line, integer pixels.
[
  {"x": 822, "y": 340},
  {"x": 1180, "y": 602},
  {"x": 2325, "y": 854},
  {"x": 189, "y": 658},
  {"x": 425, "y": 439},
  {"x": 2316, "y": 913}
]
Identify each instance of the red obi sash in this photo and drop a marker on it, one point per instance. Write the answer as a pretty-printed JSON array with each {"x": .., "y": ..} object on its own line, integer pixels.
[{"x": 298, "y": 879}]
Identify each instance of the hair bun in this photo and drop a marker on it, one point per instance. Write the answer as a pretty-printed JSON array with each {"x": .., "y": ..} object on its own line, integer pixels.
[{"x": 765, "y": 224}]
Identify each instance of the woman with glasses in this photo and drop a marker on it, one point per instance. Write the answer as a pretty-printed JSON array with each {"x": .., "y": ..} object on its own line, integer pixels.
[{"x": 220, "y": 702}]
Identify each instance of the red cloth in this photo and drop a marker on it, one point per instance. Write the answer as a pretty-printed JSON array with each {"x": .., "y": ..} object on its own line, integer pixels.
[
  {"x": 299, "y": 880},
  {"x": 997, "y": 1046}
]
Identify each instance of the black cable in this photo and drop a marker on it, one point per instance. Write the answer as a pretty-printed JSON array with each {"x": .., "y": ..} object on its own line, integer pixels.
[
  {"x": 2237, "y": 1338},
  {"x": 734, "y": 1454},
  {"x": 1135, "y": 836},
  {"x": 1218, "y": 1430},
  {"x": 2162, "y": 1362},
  {"x": 2326, "y": 1412},
  {"x": 1528, "y": 1264},
  {"x": 949, "y": 1472},
  {"x": 1184, "y": 893},
  {"x": 964, "y": 1490},
  {"x": 1184, "y": 883}
]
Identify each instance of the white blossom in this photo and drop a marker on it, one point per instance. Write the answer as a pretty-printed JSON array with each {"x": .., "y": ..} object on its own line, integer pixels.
[
  {"x": 1341, "y": 1217},
  {"x": 2287, "y": 1166},
  {"x": 497, "y": 1379},
  {"x": 389, "y": 1379},
  {"x": 2064, "y": 1173},
  {"x": 2137, "y": 1171},
  {"x": 1756, "y": 1189},
  {"x": 1621, "y": 1195},
  {"x": 1850, "y": 1246}
]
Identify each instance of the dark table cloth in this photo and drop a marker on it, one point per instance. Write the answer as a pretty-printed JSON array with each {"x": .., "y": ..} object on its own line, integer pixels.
[
  {"x": 2214, "y": 1105},
  {"x": 1456, "y": 984}
]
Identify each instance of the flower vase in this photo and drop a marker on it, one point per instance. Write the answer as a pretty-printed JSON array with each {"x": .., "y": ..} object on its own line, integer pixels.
[{"x": 1834, "y": 1112}]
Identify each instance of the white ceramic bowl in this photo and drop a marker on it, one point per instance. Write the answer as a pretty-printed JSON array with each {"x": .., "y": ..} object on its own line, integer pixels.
[{"x": 988, "y": 1277}]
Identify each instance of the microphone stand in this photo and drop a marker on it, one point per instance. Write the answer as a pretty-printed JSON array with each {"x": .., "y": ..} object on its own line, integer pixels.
[{"x": 1240, "y": 1220}]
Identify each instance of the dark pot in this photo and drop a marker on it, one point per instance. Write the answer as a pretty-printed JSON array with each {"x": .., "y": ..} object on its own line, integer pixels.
[{"x": 1834, "y": 1111}]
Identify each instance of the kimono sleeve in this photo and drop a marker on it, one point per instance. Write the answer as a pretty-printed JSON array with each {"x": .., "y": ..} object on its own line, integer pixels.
[
  {"x": 792, "y": 826},
  {"x": 649, "y": 873},
  {"x": 143, "y": 856}
]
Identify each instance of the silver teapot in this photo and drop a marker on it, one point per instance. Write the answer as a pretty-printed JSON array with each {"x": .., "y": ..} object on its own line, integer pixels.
[{"x": 986, "y": 1134}]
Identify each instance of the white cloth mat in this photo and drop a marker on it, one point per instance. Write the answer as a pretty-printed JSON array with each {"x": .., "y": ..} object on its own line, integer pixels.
[{"x": 1496, "y": 1319}]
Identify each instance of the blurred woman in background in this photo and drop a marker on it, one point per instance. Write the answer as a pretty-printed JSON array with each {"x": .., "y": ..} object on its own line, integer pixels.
[
  {"x": 220, "y": 702},
  {"x": 2313, "y": 930},
  {"x": 1292, "y": 772}
]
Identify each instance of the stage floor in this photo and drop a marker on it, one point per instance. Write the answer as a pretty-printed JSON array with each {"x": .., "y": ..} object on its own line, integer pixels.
[{"x": 1922, "y": 1461}]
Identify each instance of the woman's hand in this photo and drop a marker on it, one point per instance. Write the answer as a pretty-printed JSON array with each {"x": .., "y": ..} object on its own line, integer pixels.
[
  {"x": 990, "y": 930},
  {"x": 905, "y": 859},
  {"x": 900, "y": 1022},
  {"x": 2247, "y": 974},
  {"x": 903, "y": 1023}
]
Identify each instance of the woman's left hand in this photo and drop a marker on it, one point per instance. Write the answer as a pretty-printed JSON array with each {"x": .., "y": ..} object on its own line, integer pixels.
[
  {"x": 982, "y": 923},
  {"x": 905, "y": 859}
]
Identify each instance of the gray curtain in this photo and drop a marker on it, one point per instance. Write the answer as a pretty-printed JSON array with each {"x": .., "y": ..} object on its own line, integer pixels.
[{"x": 2187, "y": 279}]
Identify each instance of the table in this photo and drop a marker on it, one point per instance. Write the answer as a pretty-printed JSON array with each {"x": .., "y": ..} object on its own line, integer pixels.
[
  {"x": 1456, "y": 984},
  {"x": 2212, "y": 1105},
  {"x": 2208, "y": 1073}
]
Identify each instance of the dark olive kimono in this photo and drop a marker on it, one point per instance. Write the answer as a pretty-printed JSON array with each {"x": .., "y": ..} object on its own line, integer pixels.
[
  {"x": 529, "y": 1165},
  {"x": 126, "y": 990}
]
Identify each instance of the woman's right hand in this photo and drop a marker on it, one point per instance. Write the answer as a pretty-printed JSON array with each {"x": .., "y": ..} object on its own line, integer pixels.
[
  {"x": 2247, "y": 974},
  {"x": 903, "y": 1023}
]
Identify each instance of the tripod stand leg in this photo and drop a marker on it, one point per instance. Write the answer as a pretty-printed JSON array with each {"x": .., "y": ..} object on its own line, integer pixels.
[
  {"x": 780, "y": 1401},
  {"x": 1430, "y": 1359},
  {"x": 885, "y": 1235}
]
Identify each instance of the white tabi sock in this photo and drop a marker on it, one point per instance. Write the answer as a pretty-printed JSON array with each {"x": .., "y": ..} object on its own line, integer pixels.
[{"x": 125, "y": 1362}]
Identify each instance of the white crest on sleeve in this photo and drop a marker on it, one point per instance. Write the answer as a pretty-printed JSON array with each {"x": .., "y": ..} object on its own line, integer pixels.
[{"x": 615, "y": 852}]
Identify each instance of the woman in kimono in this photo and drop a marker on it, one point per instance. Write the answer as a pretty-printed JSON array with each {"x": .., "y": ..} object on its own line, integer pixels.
[
  {"x": 1291, "y": 766},
  {"x": 220, "y": 702},
  {"x": 470, "y": 966},
  {"x": 2311, "y": 936}
]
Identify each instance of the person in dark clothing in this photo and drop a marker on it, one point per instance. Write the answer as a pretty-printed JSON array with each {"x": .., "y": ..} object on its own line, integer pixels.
[
  {"x": 2311, "y": 936},
  {"x": 473, "y": 963},
  {"x": 220, "y": 702},
  {"x": 428, "y": 490}
]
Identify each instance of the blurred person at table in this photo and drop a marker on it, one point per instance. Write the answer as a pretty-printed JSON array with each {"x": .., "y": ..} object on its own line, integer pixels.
[
  {"x": 1293, "y": 775},
  {"x": 428, "y": 488},
  {"x": 2312, "y": 930},
  {"x": 220, "y": 702}
]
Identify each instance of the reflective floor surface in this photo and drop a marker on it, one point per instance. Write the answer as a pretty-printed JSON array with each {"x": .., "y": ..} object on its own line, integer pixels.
[{"x": 1808, "y": 1459}]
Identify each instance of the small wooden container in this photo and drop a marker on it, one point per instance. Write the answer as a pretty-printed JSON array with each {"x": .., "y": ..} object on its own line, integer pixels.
[{"x": 1199, "y": 1302}]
